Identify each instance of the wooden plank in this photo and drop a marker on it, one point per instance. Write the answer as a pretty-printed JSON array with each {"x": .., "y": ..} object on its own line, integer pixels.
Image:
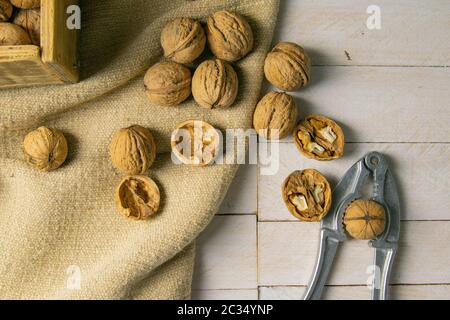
[
  {"x": 377, "y": 104},
  {"x": 242, "y": 194},
  {"x": 398, "y": 292},
  {"x": 287, "y": 255},
  {"x": 246, "y": 294},
  {"x": 336, "y": 32},
  {"x": 226, "y": 254},
  {"x": 421, "y": 171}
]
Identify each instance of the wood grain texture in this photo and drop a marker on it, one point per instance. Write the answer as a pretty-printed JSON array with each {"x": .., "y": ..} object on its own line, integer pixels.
[
  {"x": 398, "y": 292},
  {"x": 226, "y": 254},
  {"x": 378, "y": 104},
  {"x": 244, "y": 294},
  {"x": 336, "y": 33},
  {"x": 287, "y": 255},
  {"x": 421, "y": 171}
]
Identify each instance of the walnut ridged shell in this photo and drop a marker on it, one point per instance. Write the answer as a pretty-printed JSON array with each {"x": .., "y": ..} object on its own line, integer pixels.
[
  {"x": 365, "y": 219},
  {"x": 320, "y": 138},
  {"x": 26, "y": 4},
  {"x": 168, "y": 83},
  {"x": 137, "y": 197},
  {"x": 6, "y": 10},
  {"x": 287, "y": 66},
  {"x": 276, "y": 113},
  {"x": 230, "y": 37},
  {"x": 30, "y": 21},
  {"x": 133, "y": 150},
  {"x": 215, "y": 84},
  {"x": 307, "y": 195},
  {"x": 45, "y": 148},
  {"x": 13, "y": 35},
  {"x": 183, "y": 40}
]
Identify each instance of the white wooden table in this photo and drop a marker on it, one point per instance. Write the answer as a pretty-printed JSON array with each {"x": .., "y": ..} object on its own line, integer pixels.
[{"x": 390, "y": 90}]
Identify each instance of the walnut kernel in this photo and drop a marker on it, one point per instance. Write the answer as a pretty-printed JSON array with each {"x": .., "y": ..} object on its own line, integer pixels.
[
  {"x": 45, "y": 148},
  {"x": 364, "y": 219}
]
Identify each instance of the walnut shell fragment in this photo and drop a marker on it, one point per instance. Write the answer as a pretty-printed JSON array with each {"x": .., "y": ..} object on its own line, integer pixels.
[
  {"x": 133, "y": 150},
  {"x": 275, "y": 115},
  {"x": 215, "y": 84},
  {"x": 26, "y": 4},
  {"x": 307, "y": 195},
  {"x": 30, "y": 21},
  {"x": 13, "y": 35},
  {"x": 230, "y": 37},
  {"x": 45, "y": 148},
  {"x": 287, "y": 66},
  {"x": 137, "y": 197},
  {"x": 183, "y": 40},
  {"x": 168, "y": 83},
  {"x": 320, "y": 138},
  {"x": 6, "y": 10},
  {"x": 365, "y": 219},
  {"x": 195, "y": 142}
]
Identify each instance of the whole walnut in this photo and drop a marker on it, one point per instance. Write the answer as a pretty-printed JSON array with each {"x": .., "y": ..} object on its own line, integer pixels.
[
  {"x": 364, "y": 219},
  {"x": 183, "y": 40},
  {"x": 230, "y": 37},
  {"x": 168, "y": 83},
  {"x": 215, "y": 84},
  {"x": 287, "y": 66},
  {"x": 26, "y": 4},
  {"x": 6, "y": 10},
  {"x": 45, "y": 148},
  {"x": 133, "y": 150},
  {"x": 13, "y": 35},
  {"x": 275, "y": 115},
  {"x": 30, "y": 20}
]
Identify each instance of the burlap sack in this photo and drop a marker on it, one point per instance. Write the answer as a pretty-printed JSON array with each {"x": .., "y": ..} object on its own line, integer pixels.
[{"x": 60, "y": 234}]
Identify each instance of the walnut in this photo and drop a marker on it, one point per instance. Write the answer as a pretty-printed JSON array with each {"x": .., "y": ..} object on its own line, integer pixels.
[
  {"x": 307, "y": 195},
  {"x": 287, "y": 66},
  {"x": 6, "y": 10},
  {"x": 26, "y": 4},
  {"x": 275, "y": 115},
  {"x": 45, "y": 148},
  {"x": 30, "y": 20},
  {"x": 365, "y": 219},
  {"x": 320, "y": 138},
  {"x": 133, "y": 150},
  {"x": 183, "y": 40},
  {"x": 137, "y": 197},
  {"x": 195, "y": 142},
  {"x": 13, "y": 35},
  {"x": 215, "y": 84},
  {"x": 168, "y": 83},
  {"x": 230, "y": 37}
]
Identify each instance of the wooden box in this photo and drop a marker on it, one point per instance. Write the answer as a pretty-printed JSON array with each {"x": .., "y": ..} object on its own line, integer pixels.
[{"x": 55, "y": 61}]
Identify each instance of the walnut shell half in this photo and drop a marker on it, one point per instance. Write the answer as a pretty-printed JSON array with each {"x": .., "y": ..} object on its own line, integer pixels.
[
  {"x": 133, "y": 150},
  {"x": 307, "y": 195},
  {"x": 183, "y": 40},
  {"x": 215, "y": 84},
  {"x": 230, "y": 37},
  {"x": 13, "y": 35},
  {"x": 365, "y": 219},
  {"x": 195, "y": 142},
  {"x": 30, "y": 20},
  {"x": 26, "y": 4},
  {"x": 168, "y": 83},
  {"x": 275, "y": 115},
  {"x": 6, "y": 10},
  {"x": 287, "y": 66},
  {"x": 45, "y": 148},
  {"x": 137, "y": 197},
  {"x": 320, "y": 138}
]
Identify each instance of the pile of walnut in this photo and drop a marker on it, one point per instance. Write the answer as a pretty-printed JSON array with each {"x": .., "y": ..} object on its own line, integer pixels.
[{"x": 20, "y": 22}]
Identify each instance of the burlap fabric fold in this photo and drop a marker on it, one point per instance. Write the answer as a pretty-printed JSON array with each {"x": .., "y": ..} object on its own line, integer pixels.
[{"x": 61, "y": 236}]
